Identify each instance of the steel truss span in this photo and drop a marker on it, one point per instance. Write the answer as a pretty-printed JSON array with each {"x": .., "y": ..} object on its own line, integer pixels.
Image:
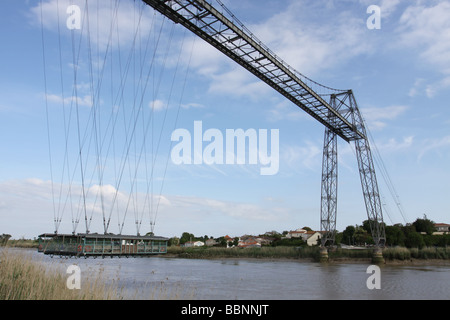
[{"x": 340, "y": 116}]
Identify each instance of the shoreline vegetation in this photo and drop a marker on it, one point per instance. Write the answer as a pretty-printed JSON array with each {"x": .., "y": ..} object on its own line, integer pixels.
[{"x": 390, "y": 254}]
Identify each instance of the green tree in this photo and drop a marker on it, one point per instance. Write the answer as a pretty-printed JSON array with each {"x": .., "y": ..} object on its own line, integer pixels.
[
  {"x": 185, "y": 237},
  {"x": 338, "y": 238},
  {"x": 414, "y": 240},
  {"x": 395, "y": 235},
  {"x": 362, "y": 236},
  {"x": 222, "y": 242},
  {"x": 175, "y": 241},
  {"x": 348, "y": 235},
  {"x": 424, "y": 225},
  {"x": 367, "y": 225}
]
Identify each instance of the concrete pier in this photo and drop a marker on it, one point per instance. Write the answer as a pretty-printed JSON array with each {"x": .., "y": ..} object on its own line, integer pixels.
[
  {"x": 377, "y": 256},
  {"x": 323, "y": 255}
]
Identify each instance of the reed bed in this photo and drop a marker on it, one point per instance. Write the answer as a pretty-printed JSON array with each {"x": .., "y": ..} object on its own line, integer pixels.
[
  {"x": 220, "y": 252},
  {"x": 22, "y": 278},
  {"x": 279, "y": 252},
  {"x": 22, "y": 243},
  {"x": 25, "y": 278},
  {"x": 312, "y": 253},
  {"x": 403, "y": 254}
]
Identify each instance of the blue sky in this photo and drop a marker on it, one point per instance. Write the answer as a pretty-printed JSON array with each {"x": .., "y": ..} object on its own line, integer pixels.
[{"x": 400, "y": 75}]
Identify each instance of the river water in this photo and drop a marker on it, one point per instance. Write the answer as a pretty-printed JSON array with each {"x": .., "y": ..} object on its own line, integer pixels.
[{"x": 229, "y": 279}]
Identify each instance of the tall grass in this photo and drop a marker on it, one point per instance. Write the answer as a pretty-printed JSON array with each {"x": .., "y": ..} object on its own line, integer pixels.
[
  {"x": 403, "y": 254},
  {"x": 313, "y": 253},
  {"x": 221, "y": 252},
  {"x": 279, "y": 252},
  {"x": 21, "y": 278},
  {"x": 22, "y": 243}
]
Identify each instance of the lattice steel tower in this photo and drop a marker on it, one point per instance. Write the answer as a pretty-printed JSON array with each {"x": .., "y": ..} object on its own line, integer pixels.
[{"x": 340, "y": 116}]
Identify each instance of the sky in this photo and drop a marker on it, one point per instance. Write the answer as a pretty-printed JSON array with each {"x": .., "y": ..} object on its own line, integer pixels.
[{"x": 63, "y": 87}]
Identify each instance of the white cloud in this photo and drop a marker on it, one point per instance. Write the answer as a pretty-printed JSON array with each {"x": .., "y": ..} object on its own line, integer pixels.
[
  {"x": 301, "y": 38},
  {"x": 432, "y": 89},
  {"x": 309, "y": 45},
  {"x": 393, "y": 145},
  {"x": 157, "y": 105},
  {"x": 286, "y": 110},
  {"x": 192, "y": 105},
  {"x": 126, "y": 15},
  {"x": 437, "y": 145},
  {"x": 296, "y": 158},
  {"x": 377, "y": 118},
  {"x": 85, "y": 100},
  {"x": 427, "y": 28},
  {"x": 238, "y": 83}
]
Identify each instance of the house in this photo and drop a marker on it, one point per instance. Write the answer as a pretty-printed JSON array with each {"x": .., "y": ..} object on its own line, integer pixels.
[
  {"x": 441, "y": 228},
  {"x": 296, "y": 233},
  {"x": 194, "y": 244},
  {"x": 313, "y": 238},
  {"x": 249, "y": 242},
  {"x": 211, "y": 242},
  {"x": 264, "y": 240},
  {"x": 229, "y": 241},
  {"x": 310, "y": 237}
]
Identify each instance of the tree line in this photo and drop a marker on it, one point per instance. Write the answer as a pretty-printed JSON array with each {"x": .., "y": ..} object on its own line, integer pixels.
[{"x": 418, "y": 234}]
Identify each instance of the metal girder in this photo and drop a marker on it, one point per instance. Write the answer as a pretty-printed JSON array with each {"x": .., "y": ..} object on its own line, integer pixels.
[
  {"x": 345, "y": 103},
  {"x": 328, "y": 204},
  {"x": 238, "y": 43},
  {"x": 368, "y": 177}
]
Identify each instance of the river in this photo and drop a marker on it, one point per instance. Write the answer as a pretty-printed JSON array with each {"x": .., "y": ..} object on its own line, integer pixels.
[{"x": 239, "y": 279}]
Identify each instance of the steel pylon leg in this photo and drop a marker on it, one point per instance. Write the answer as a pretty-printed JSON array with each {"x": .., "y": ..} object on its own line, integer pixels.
[
  {"x": 328, "y": 205},
  {"x": 368, "y": 179},
  {"x": 328, "y": 208}
]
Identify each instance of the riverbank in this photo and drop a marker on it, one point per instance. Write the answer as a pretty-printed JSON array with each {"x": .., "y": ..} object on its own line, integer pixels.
[{"x": 398, "y": 255}]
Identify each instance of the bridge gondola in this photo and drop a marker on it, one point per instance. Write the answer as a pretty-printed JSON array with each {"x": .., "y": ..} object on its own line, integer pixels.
[{"x": 103, "y": 245}]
